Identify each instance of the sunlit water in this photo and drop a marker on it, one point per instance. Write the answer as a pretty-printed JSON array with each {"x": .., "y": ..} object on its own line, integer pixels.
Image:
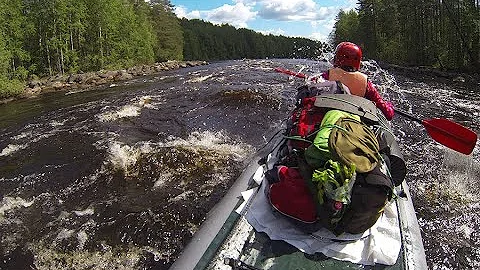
[{"x": 121, "y": 177}]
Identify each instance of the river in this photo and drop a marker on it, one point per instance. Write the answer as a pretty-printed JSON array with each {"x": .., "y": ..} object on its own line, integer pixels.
[{"x": 121, "y": 177}]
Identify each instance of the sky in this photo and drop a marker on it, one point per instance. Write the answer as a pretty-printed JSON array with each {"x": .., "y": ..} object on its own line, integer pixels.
[{"x": 313, "y": 19}]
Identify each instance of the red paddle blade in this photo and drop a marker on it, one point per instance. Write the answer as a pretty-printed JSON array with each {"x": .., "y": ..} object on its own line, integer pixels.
[{"x": 451, "y": 134}]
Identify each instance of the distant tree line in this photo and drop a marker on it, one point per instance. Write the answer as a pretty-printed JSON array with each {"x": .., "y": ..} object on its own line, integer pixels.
[
  {"x": 437, "y": 33},
  {"x": 50, "y": 37},
  {"x": 205, "y": 41}
]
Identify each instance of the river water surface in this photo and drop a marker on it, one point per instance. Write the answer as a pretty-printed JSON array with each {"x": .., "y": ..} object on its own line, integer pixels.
[{"x": 121, "y": 177}]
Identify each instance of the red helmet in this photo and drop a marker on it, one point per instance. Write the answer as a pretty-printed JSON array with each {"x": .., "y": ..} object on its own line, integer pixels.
[{"x": 347, "y": 54}]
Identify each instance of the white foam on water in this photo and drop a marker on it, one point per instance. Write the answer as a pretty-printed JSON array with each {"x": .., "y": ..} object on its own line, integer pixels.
[
  {"x": 56, "y": 123},
  {"x": 152, "y": 102},
  {"x": 162, "y": 180},
  {"x": 12, "y": 148},
  {"x": 86, "y": 212},
  {"x": 63, "y": 234},
  {"x": 23, "y": 140},
  {"x": 199, "y": 71},
  {"x": 82, "y": 238},
  {"x": 11, "y": 203},
  {"x": 265, "y": 68},
  {"x": 199, "y": 79},
  {"x": 181, "y": 197},
  {"x": 122, "y": 156},
  {"x": 126, "y": 111},
  {"x": 144, "y": 100},
  {"x": 46, "y": 258},
  {"x": 220, "y": 79},
  {"x": 216, "y": 141},
  {"x": 470, "y": 105},
  {"x": 76, "y": 91},
  {"x": 22, "y": 135},
  {"x": 465, "y": 230},
  {"x": 63, "y": 215}
]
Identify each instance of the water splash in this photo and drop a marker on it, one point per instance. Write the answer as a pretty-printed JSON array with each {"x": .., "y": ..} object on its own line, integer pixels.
[
  {"x": 122, "y": 157},
  {"x": 199, "y": 79},
  {"x": 218, "y": 142},
  {"x": 12, "y": 203},
  {"x": 12, "y": 148},
  {"x": 48, "y": 258},
  {"x": 461, "y": 173},
  {"x": 127, "y": 111}
]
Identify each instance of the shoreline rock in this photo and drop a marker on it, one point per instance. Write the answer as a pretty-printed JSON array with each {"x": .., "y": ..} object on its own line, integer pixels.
[{"x": 35, "y": 87}]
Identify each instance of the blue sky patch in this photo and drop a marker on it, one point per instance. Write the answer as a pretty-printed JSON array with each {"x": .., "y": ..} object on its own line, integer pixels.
[{"x": 312, "y": 19}]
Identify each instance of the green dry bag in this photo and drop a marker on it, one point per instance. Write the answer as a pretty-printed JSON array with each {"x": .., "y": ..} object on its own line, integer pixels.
[{"x": 352, "y": 142}]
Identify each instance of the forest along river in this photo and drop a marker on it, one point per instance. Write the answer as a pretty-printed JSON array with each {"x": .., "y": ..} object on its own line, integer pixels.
[{"x": 121, "y": 177}]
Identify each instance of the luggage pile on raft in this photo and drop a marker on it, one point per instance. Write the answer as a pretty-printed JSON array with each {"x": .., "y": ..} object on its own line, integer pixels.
[
  {"x": 331, "y": 186},
  {"x": 334, "y": 170}
]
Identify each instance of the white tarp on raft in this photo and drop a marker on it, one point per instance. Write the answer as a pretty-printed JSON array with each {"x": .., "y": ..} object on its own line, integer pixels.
[{"x": 380, "y": 244}]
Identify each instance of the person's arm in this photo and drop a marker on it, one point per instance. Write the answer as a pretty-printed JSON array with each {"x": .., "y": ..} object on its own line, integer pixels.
[{"x": 385, "y": 106}]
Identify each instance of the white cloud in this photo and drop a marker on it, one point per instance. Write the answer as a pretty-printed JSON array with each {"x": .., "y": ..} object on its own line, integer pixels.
[
  {"x": 240, "y": 13},
  {"x": 181, "y": 12},
  {"x": 295, "y": 10},
  {"x": 246, "y": 2},
  {"x": 276, "y": 32},
  {"x": 350, "y": 4},
  {"x": 237, "y": 15},
  {"x": 327, "y": 23},
  {"x": 318, "y": 36}
]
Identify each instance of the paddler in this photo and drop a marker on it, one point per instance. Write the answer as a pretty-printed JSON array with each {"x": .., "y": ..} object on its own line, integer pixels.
[{"x": 346, "y": 65}]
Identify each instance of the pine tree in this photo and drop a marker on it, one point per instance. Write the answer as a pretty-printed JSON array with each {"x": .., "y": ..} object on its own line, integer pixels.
[{"x": 169, "y": 34}]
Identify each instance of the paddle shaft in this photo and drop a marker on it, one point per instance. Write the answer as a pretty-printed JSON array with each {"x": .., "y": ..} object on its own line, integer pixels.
[
  {"x": 293, "y": 73},
  {"x": 407, "y": 115}
]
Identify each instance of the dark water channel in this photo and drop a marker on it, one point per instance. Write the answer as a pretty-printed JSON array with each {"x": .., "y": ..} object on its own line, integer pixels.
[{"x": 121, "y": 177}]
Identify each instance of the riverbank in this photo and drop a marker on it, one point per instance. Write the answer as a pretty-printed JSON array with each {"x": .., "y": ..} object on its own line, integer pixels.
[
  {"x": 427, "y": 74},
  {"x": 90, "y": 80}
]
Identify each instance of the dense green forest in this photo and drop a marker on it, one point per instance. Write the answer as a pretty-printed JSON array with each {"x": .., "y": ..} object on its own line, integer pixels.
[
  {"x": 48, "y": 37},
  {"x": 206, "y": 41},
  {"x": 437, "y": 33}
]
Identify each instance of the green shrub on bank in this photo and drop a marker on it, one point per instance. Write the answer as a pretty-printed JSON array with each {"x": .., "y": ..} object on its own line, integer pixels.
[{"x": 10, "y": 88}]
